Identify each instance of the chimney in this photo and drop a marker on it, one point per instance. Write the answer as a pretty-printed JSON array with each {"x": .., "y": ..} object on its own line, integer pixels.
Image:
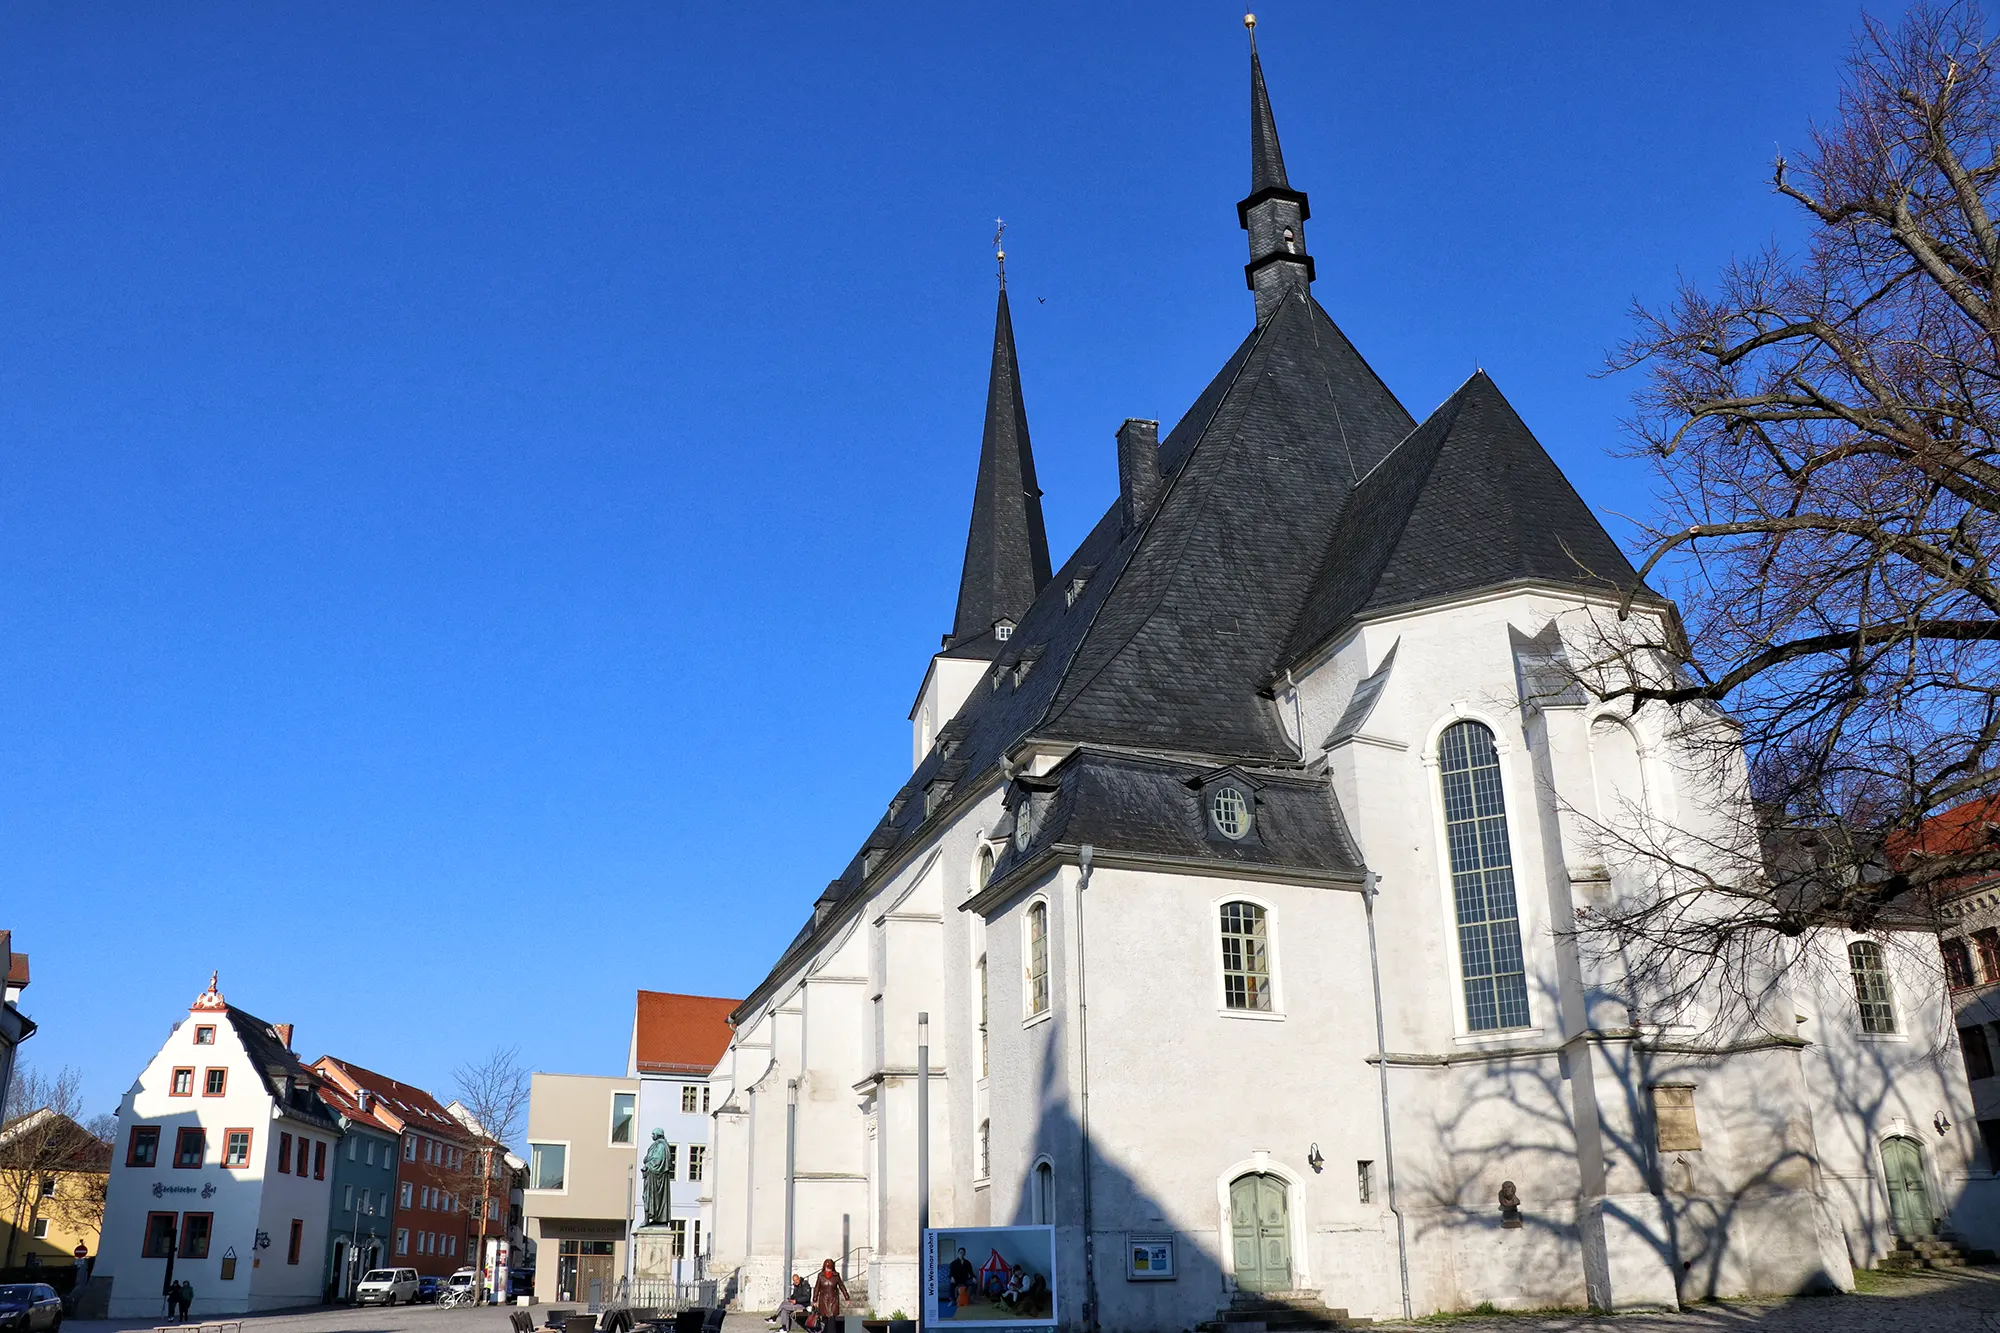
[
  {"x": 284, "y": 1031},
  {"x": 1138, "y": 469},
  {"x": 361, "y": 1098}
]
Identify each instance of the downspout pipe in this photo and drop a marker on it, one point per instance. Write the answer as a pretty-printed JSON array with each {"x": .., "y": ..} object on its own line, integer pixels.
[
  {"x": 791, "y": 1180},
  {"x": 1369, "y": 888},
  {"x": 1084, "y": 856}
]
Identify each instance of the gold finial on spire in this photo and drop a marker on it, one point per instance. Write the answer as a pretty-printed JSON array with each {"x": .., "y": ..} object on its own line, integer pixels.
[
  {"x": 1250, "y": 22},
  {"x": 1000, "y": 255}
]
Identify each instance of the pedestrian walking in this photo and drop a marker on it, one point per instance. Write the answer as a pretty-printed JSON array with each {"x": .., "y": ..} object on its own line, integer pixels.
[{"x": 828, "y": 1291}]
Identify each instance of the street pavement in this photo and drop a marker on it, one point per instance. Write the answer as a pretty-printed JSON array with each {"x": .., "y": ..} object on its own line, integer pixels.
[{"x": 1967, "y": 1301}]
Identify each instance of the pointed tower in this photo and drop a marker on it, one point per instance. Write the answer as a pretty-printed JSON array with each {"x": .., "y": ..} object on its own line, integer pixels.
[
  {"x": 1006, "y": 548},
  {"x": 1273, "y": 213}
]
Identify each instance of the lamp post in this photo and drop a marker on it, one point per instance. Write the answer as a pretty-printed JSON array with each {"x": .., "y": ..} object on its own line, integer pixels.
[
  {"x": 791, "y": 1177},
  {"x": 923, "y": 1157}
]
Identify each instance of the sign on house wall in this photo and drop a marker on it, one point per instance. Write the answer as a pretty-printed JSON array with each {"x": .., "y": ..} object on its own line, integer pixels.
[{"x": 991, "y": 1277}]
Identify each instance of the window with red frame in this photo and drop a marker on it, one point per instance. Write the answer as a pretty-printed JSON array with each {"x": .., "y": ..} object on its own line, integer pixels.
[
  {"x": 213, "y": 1082},
  {"x": 298, "y": 1236},
  {"x": 236, "y": 1148},
  {"x": 190, "y": 1146},
  {"x": 195, "y": 1229},
  {"x": 1957, "y": 964},
  {"x": 183, "y": 1084},
  {"x": 1988, "y": 943},
  {"x": 144, "y": 1149},
  {"x": 160, "y": 1228},
  {"x": 285, "y": 1153},
  {"x": 319, "y": 1161}
]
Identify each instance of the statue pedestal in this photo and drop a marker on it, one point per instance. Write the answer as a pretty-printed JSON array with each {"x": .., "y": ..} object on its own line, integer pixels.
[{"x": 653, "y": 1252}]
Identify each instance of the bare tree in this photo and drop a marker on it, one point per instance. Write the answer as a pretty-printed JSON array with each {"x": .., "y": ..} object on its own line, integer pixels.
[
  {"x": 1823, "y": 426},
  {"x": 50, "y": 1166},
  {"x": 492, "y": 1103}
]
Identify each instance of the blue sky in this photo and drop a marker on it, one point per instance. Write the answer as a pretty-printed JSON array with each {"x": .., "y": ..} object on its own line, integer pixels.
[{"x": 479, "y": 483}]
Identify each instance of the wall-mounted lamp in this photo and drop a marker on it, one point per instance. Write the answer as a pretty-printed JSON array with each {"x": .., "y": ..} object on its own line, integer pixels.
[
  {"x": 1941, "y": 1123},
  {"x": 1314, "y": 1160},
  {"x": 263, "y": 1240}
]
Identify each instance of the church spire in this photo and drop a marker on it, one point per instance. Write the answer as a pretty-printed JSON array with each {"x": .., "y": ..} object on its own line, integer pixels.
[
  {"x": 1007, "y": 549},
  {"x": 1274, "y": 213}
]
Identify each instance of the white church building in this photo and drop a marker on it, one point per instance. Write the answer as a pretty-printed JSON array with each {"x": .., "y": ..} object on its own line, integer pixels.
[{"x": 1230, "y": 876}]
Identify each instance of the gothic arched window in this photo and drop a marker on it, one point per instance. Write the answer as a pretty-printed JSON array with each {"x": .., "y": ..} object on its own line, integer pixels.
[
  {"x": 1038, "y": 959},
  {"x": 1482, "y": 880},
  {"x": 1246, "y": 957},
  {"x": 1871, "y": 987}
]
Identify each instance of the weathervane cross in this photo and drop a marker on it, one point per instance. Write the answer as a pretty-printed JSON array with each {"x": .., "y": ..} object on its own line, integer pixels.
[{"x": 1000, "y": 255}]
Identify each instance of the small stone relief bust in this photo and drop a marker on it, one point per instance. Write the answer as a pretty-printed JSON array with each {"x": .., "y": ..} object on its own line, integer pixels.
[{"x": 1510, "y": 1205}]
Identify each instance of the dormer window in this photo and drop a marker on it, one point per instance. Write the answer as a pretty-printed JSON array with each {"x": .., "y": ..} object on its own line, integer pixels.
[
  {"x": 1074, "y": 591},
  {"x": 1229, "y": 811},
  {"x": 935, "y": 795},
  {"x": 896, "y": 809},
  {"x": 1021, "y": 670},
  {"x": 1003, "y": 630}
]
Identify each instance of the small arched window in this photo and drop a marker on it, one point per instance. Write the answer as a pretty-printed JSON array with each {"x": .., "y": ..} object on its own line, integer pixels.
[
  {"x": 1957, "y": 964},
  {"x": 1042, "y": 1195},
  {"x": 1038, "y": 959},
  {"x": 1246, "y": 957},
  {"x": 1482, "y": 880},
  {"x": 1871, "y": 987},
  {"x": 982, "y": 1015},
  {"x": 985, "y": 872}
]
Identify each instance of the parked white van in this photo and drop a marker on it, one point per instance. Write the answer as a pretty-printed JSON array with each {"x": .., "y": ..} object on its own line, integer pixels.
[{"x": 387, "y": 1286}]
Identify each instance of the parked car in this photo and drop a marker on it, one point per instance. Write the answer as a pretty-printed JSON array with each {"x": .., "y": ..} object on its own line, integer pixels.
[
  {"x": 387, "y": 1286},
  {"x": 29, "y": 1306},
  {"x": 427, "y": 1288},
  {"x": 461, "y": 1288}
]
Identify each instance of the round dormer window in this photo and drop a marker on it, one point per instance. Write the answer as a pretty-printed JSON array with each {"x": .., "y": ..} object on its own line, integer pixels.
[
  {"x": 1024, "y": 825},
  {"x": 1230, "y": 812}
]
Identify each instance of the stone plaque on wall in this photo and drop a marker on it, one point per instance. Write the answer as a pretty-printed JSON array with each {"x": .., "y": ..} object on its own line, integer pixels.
[{"x": 1673, "y": 1118}]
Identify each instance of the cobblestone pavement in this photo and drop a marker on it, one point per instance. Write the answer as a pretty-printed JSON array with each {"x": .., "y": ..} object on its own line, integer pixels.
[
  {"x": 1967, "y": 1301},
  {"x": 335, "y": 1319},
  {"x": 1964, "y": 1302}
]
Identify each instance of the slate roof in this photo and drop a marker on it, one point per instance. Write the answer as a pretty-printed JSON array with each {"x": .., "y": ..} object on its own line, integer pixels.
[
  {"x": 1150, "y": 809},
  {"x": 1006, "y": 546},
  {"x": 1267, "y": 158},
  {"x": 679, "y": 1034},
  {"x": 1469, "y": 500},
  {"x": 276, "y": 1065}
]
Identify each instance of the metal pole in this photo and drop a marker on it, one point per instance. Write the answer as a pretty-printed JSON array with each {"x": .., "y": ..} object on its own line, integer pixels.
[
  {"x": 923, "y": 1161},
  {"x": 845, "y": 1220},
  {"x": 791, "y": 1177}
]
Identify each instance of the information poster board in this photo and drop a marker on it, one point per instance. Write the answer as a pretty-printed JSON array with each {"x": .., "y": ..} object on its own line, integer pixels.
[
  {"x": 1150, "y": 1258},
  {"x": 991, "y": 1277}
]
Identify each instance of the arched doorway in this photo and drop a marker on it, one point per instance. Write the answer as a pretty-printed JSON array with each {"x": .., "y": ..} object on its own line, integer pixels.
[
  {"x": 1909, "y": 1197},
  {"x": 1260, "y": 1216}
]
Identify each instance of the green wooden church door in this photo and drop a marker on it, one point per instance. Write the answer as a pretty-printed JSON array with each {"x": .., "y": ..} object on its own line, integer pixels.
[
  {"x": 1262, "y": 1219},
  {"x": 1909, "y": 1197}
]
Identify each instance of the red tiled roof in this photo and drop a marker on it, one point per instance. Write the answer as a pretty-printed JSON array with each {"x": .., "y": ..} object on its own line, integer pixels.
[
  {"x": 680, "y": 1034},
  {"x": 16, "y": 963},
  {"x": 411, "y": 1105}
]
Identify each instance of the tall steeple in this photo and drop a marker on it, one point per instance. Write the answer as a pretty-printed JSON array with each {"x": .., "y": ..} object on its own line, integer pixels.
[
  {"x": 1274, "y": 213},
  {"x": 1007, "y": 549}
]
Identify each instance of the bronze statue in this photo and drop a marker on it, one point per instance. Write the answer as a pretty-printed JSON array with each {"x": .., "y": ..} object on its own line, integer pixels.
[{"x": 655, "y": 1171}]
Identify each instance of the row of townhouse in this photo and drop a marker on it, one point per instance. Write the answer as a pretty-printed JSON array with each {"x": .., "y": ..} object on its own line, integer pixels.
[
  {"x": 588, "y": 1140},
  {"x": 266, "y": 1183}
]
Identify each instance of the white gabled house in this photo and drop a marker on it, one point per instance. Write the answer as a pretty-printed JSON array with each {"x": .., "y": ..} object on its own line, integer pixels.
[{"x": 221, "y": 1175}]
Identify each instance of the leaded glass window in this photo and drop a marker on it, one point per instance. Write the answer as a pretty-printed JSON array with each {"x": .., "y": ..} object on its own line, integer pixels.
[
  {"x": 1038, "y": 959},
  {"x": 1871, "y": 987},
  {"x": 1482, "y": 880},
  {"x": 1246, "y": 957}
]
